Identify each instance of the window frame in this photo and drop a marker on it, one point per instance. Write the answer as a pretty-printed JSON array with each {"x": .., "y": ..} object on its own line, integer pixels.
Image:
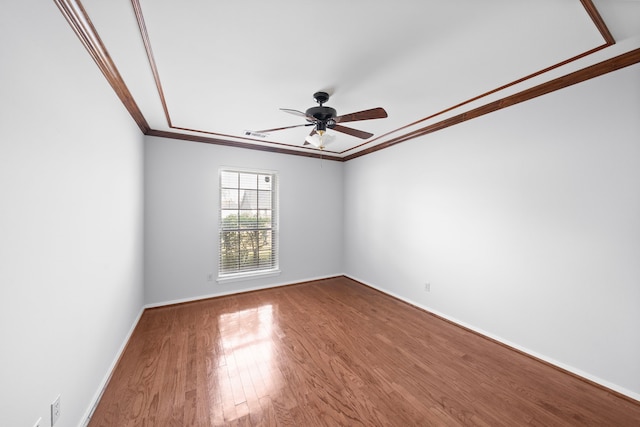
[{"x": 273, "y": 268}]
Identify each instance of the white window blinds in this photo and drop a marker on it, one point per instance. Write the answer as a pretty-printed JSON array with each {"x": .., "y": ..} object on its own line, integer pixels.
[{"x": 248, "y": 223}]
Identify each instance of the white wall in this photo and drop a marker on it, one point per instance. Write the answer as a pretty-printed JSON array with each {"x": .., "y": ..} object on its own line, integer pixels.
[
  {"x": 526, "y": 222},
  {"x": 181, "y": 217},
  {"x": 70, "y": 219}
]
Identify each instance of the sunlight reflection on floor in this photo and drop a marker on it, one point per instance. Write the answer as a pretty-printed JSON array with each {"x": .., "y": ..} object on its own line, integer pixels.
[{"x": 246, "y": 338}]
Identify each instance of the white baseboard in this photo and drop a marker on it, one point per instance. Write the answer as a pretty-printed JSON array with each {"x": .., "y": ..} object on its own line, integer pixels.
[
  {"x": 568, "y": 368},
  {"x": 103, "y": 384}
]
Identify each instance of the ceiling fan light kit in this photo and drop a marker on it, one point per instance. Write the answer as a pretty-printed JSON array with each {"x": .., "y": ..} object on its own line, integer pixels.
[
  {"x": 323, "y": 118},
  {"x": 319, "y": 140}
]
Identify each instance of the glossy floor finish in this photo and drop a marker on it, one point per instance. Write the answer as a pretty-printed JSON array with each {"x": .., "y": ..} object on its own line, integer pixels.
[{"x": 335, "y": 353}]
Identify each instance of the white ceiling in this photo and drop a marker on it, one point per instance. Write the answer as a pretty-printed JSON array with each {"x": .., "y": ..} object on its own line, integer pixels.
[{"x": 223, "y": 68}]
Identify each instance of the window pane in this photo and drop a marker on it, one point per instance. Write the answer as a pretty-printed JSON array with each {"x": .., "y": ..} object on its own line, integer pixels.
[
  {"x": 229, "y": 219},
  {"x": 266, "y": 250},
  {"x": 229, "y": 179},
  {"x": 266, "y": 239},
  {"x": 228, "y": 198},
  {"x": 264, "y": 182},
  {"x": 264, "y": 199},
  {"x": 248, "y": 219},
  {"x": 264, "y": 218},
  {"x": 249, "y": 249},
  {"x": 248, "y": 199},
  {"x": 229, "y": 251},
  {"x": 248, "y": 180}
]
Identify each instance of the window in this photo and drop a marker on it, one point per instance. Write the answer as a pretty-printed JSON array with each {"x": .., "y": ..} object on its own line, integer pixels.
[{"x": 248, "y": 224}]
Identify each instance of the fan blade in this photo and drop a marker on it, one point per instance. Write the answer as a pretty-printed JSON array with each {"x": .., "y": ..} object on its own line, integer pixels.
[
  {"x": 374, "y": 113},
  {"x": 298, "y": 113},
  {"x": 286, "y": 127},
  {"x": 353, "y": 132}
]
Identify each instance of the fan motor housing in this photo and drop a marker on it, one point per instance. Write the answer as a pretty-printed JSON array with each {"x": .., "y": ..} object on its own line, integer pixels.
[{"x": 321, "y": 113}]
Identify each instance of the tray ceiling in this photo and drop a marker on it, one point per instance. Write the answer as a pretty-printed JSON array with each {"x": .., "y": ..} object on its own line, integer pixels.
[{"x": 220, "y": 71}]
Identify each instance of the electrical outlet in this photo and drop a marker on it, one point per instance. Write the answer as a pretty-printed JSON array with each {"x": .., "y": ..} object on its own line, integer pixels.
[
  {"x": 427, "y": 287},
  {"x": 37, "y": 424},
  {"x": 55, "y": 410}
]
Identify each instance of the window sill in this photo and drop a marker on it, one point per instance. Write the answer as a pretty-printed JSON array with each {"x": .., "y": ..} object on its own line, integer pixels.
[{"x": 247, "y": 276}]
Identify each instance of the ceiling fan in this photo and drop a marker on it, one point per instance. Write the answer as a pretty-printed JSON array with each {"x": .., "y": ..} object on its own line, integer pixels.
[{"x": 323, "y": 118}]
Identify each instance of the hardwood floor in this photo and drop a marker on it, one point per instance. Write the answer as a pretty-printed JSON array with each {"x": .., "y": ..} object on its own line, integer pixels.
[{"x": 335, "y": 353}]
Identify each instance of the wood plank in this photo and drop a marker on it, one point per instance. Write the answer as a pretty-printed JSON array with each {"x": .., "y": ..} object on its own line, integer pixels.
[{"x": 335, "y": 352}]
